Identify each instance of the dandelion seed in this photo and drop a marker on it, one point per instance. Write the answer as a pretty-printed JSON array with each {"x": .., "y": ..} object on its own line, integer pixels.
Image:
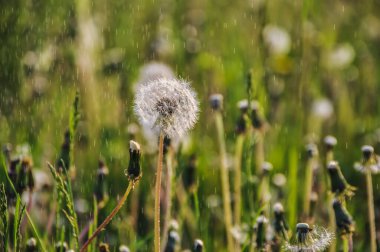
[
  {"x": 167, "y": 106},
  {"x": 309, "y": 239}
]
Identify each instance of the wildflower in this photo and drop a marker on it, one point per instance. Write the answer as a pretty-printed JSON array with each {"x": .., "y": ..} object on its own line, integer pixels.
[
  {"x": 330, "y": 142},
  {"x": 173, "y": 242},
  {"x": 322, "y": 108},
  {"x": 216, "y": 101},
  {"x": 341, "y": 57},
  {"x": 242, "y": 121},
  {"x": 124, "y": 248},
  {"x": 134, "y": 170},
  {"x": 61, "y": 247},
  {"x": 260, "y": 228},
  {"x": 198, "y": 245},
  {"x": 370, "y": 161},
  {"x": 344, "y": 222},
  {"x": 167, "y": 105},
  {"x": 309, "y": 239},
  {"x": 31, "y": 245},
  {"x": 339, "y": 185},
  {"x": 280, "y": 225}
]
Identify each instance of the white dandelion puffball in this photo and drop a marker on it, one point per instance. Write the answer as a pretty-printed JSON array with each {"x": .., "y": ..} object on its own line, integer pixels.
[
  {"x": 277, "y": 39},
  {"x": 169, "y": 106}
]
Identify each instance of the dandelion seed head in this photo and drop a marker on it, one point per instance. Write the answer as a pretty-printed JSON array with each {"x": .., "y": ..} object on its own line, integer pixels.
[
  {"x": 198, "y": 245},
  {"x": 279, "y": 179},
  {"x": 167, "y": 105},
  {"x": 311, "y": 150},
  {"x": 134, "y": 146},
  {"x": 309, "y": 240},
  {"x": 367, "y": 151},
  {"x": 243, "y": 105},
  {"x": 32, "y": 242}
]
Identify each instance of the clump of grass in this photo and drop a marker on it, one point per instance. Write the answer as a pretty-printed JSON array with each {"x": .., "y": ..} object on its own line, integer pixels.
[
  {"x": 4, "y": 217},
  {"x": 67, "y": 206}
]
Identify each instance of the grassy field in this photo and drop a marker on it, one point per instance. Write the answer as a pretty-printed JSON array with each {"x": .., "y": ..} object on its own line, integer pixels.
[{"x": 69, "y": 72}]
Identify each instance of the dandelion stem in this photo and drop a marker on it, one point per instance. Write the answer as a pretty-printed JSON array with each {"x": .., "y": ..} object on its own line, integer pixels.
[
  {"x": 109, "y": 217},
  {"x": 371, "y": 211},
  {"x": 157, "y": 194},
  {"x": 348, "y": 243},
  {"x": 168, "y": 192},
  {"x": 225, "y": 180},
  {"x": 308, "y": 188},
  {"x": 237, "y": 184}
]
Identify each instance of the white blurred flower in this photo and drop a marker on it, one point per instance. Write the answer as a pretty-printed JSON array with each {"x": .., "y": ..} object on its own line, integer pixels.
[
  {"x": 155, "y": 70},
  {"x": 322, "y": 108},
  {"x": 277, "y": 39},
  {"x": 166, "y": 105},
  {"x": 341, "y": 57}
]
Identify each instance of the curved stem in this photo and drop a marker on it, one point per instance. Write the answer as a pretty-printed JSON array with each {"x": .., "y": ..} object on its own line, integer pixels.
[
  {"x": 371, "y": 211},
  {"x": 109, "y": 217},
  {"x": 157, "y": 194}
]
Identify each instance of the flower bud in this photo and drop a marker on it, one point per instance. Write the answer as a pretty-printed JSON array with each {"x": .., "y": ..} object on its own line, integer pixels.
[
  {"x": 367, "y": 151},
  {"x": 134, "y": 170},
  {"x": 343, "y": 219},
  {"x": 216, "y": 101}
]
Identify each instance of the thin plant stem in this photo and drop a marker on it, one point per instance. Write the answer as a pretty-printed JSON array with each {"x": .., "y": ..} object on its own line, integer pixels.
[
  {"x": 168, "y": 193},
  {"x": 157, "y": 194},
  {"x": 225, "y": 180},
  {"x": 237, "y": 184},
  {"x": 348, "y": 245},
  {"x": 308, "y": 188},
  {"x": 371, "y": 211},
  {"x": 109, "y": 217},
  {"x": 329, "y": 198}
]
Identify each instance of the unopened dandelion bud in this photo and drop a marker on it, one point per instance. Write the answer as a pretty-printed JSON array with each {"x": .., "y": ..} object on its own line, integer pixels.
[
  {"x": 343, "y": 219},
  {"x": 243, "y": 105},
  {"x": 198, "y": 245},
  {"x": 104, "y": 247},
  {"x": 242, "y": 121},
  {"x": 173, "y": 242},
  {"x": 134, "y": 169},
  {"x": 339, "y": 184},
  {"x": 189, "y": 175},
  {"x": 256, "y": 118},
  {"x": 367, "y": 152},
  {"x": 260, "y": 231},
  {"x": 61, "y": 247},
  {"x": 311, "y": 150},
  {"x": 31, "y": 245},
  {"x": 124, "y": 248},
  {"x": 302, "y": 230},
  {"x": 280, "y": 225},
  {"x": 216, "y": 101},
  {"x": 330, "y": 142}
]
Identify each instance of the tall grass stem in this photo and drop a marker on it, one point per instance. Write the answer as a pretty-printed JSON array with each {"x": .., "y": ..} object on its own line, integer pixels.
[
  {"x": 224, "y": 180},
  {"x": 371, "y": 210},
  {"x": 237, "y": 184}
]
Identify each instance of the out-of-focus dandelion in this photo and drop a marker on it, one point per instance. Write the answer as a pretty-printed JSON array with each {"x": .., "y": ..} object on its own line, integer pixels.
[
  {"x": 369, "y": 165},
  {"x": 277, "y": 39},
  {"x": 260, "y": 228},
  {"x": 61, "y": 247},
  {"x": 31, "y": 245},
  {"x": 280, "y": 225},
  {"x": 198, "y": 246},
  {"x": 341, "y": 57},
  {"x": 123, "y": 248},
  {"x": 104, "y": 247},
  {"x": 101, "y": 188},
  {"x": 309, "y": 239},
  {"x": 339, "y": 185},
  {"x": 154, "y": 71},
  {"x": 170, "y": 108},
  {"x": 133, "y": 174}
]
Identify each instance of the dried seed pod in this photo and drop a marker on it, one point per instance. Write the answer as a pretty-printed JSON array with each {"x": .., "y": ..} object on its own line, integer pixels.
[
  {"x": 343, "y": 219},
  {"x": 339, "y": 185},
  {"x": 216, "y": 101},
  {"x": 134, "y": 169}
]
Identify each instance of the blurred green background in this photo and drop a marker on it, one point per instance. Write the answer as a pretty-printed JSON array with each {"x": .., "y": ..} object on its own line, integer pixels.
[{"x": 314, "y": 64}]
